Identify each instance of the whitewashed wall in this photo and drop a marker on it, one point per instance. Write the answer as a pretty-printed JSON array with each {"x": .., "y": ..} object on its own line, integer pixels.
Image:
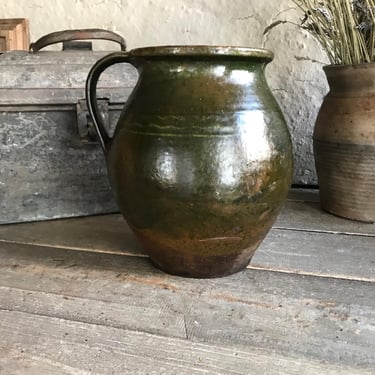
[{"x": 295, "y": 76}]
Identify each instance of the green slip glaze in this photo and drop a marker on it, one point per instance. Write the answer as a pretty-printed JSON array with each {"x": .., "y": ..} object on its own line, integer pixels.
[{"x": 201, "y": 159}]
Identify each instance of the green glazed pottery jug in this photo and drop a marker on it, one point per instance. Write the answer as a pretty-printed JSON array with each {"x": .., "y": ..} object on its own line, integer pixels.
[{"x": 201, "y": 158}]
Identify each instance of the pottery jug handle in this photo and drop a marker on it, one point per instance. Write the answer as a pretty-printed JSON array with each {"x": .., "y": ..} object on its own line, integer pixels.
[{"x": 91, "y": 83}]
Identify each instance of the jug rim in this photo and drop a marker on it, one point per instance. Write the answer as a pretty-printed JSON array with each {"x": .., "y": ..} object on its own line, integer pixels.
[{"x": 203, "y": 51}]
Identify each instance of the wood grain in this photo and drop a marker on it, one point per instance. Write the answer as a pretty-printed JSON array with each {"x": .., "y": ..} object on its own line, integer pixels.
[
  {"x": 308, "y": 216},
  {"x": 304, "y": 240},
  {"x": 42, "y": 345},
  {"x": 79, "y": 296},
  {"x": 309, "y": 318},
  {"x": 319, "y": 254},
  {"x": 14, "y": 34}
]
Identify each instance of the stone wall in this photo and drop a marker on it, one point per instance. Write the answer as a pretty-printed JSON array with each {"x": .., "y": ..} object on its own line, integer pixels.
[{"x": 295, "y": 76}]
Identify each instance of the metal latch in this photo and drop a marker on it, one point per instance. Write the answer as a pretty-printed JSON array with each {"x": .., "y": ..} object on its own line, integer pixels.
[{"x": 86, "y": 129}]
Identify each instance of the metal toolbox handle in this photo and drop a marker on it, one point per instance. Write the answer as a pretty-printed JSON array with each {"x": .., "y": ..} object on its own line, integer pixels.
[{"x": 78, "y": 34}]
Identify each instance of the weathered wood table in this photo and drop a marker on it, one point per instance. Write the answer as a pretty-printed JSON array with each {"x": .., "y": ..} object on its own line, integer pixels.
[{"x": 78, "y": 296}]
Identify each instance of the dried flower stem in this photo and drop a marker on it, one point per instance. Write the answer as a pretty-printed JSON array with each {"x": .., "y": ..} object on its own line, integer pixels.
[{"x": 345, "y": 28}]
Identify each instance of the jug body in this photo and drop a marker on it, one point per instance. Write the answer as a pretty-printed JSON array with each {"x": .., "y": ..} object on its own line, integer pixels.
[{"x": 201, "y": 159}]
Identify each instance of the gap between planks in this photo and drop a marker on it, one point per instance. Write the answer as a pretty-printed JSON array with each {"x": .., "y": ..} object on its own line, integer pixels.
[
  {"x": 252, "y": 266},
  {"x": 75, "y": 248},
  {"x": 314, "y": 274},
  {"x": 321, "y": 231}
]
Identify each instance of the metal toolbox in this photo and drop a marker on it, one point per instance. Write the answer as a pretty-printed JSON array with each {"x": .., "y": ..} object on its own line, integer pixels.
[{"x": 51, "y": 165}]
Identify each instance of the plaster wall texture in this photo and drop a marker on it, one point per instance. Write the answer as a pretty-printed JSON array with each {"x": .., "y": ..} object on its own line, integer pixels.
[{"x": 295, "y": 76}]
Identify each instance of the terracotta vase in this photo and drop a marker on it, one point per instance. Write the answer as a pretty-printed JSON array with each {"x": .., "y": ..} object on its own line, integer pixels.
[
  {"x": 201, "y": 159},
  {"x": 344, "y": 142}
]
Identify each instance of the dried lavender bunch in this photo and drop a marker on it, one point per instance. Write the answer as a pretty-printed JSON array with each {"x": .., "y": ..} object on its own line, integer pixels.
[{"x": 345, "y": 28}]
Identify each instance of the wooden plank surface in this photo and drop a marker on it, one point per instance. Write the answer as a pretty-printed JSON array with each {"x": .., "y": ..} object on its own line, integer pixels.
[
  {"x": 304, "y": 317},
  {"x": 304, "y": 240},
  {"x": 42, "y": 345},
  {"x": 108, "y": 233},
  {"x": 113, "y": 234},
  {"x": 319, "y": 254},
  {"x": 79, "y": 296},
  {"x": 308, "y": 216},
  {"x": 301, "y": 212}
]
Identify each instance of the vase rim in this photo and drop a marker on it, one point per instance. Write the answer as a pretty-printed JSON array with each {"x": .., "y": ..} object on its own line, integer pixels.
[
  {"x": 203, "y": 51},
  {"x": 369, "y": 65}
]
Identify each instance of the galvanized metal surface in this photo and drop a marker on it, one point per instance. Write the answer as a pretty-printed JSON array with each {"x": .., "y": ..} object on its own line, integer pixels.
[{"x": 46, "y": 171}]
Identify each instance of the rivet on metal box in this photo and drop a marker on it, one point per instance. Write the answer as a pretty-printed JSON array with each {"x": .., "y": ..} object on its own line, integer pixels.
[{"x": 51, "y": 165}]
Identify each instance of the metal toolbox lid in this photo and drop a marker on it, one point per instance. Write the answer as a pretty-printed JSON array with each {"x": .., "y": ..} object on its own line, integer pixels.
[
  {"x": 58, "y": 78},
  {"x": 37, "y": 78}
]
